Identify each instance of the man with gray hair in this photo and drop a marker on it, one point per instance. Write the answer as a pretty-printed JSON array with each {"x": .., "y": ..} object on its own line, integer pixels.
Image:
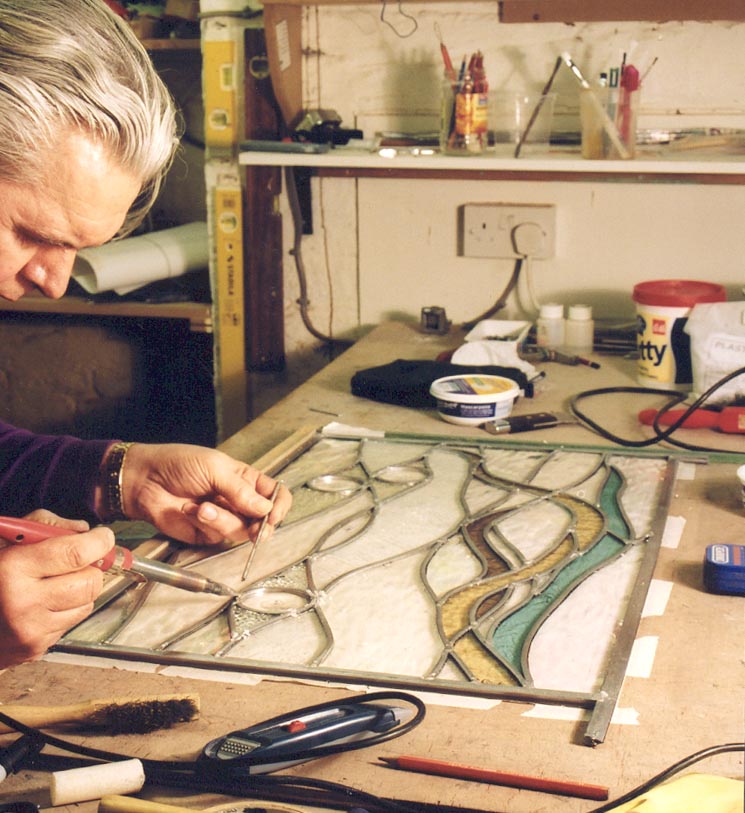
[{"x": 87, "y": 132}]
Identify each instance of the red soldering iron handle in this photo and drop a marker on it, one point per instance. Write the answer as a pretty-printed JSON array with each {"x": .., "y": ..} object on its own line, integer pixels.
[
  {"x": 27, "y": 532},
  {"x": 699, "y": 419},
  {"x": 730, "y": 420}
]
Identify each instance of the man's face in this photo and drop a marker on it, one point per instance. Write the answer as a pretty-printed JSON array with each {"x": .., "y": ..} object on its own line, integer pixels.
[{"x": 82, "y": 203}]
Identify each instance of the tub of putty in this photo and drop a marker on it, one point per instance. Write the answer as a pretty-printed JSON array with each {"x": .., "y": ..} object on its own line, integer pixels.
[{"x": 473, "y": 399}]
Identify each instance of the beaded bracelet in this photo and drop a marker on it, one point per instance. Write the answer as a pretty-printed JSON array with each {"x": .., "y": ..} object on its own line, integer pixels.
[{"x": 113, "y": 477}]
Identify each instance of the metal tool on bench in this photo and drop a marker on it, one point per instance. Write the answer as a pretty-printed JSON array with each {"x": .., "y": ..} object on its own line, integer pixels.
[
  {"x": 527, "y": 423},
  {"x": 314, "y": 732}
]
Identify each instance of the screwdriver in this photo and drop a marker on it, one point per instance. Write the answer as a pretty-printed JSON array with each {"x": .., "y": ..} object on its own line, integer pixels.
[
  {"x": 730, "y": 420},
  {"x": 118, "y": 559}
]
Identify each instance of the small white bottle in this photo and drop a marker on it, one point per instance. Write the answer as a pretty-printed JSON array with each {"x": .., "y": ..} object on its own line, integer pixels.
[
  {"x": 579, "y": 330},
  {"x": 550, "y": 325}
]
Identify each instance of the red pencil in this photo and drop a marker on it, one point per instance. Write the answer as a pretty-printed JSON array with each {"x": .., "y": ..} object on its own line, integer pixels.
[{"x": 440, "y": 768}]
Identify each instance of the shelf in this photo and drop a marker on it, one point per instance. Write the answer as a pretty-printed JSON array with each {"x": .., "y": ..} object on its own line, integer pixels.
[
  {"x": 559, "y": 166},
  {"x": 199, "y": 315},
  {"x": 543, "y": 11},
  {"x": 170, "y": 44},
  {"x": 563, "y": 11}
]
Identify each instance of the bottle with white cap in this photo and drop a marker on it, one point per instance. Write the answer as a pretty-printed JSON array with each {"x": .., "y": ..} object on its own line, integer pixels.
[
  {"x": 579, "y": 330},
  {"x": 549, "y": 327}
]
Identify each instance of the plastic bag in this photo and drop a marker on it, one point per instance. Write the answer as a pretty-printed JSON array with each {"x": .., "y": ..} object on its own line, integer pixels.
[{"x": 717, "y": 333}]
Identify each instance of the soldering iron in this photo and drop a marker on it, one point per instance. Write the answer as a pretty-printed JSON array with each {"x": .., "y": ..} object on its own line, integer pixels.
[{"x": 118, "y": 559}]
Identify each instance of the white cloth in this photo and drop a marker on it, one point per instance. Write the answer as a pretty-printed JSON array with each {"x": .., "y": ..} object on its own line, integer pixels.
[{"x": 501, "y": 353}]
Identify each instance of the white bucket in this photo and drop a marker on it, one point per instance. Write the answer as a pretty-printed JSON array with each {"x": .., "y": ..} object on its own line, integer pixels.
[
  {"x": 662, "y": 308},
  {"x": 473, "y": 399}
]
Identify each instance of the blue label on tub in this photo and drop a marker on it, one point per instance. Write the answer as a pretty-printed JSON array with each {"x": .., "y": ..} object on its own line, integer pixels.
[{"x": 484, "y": 411}]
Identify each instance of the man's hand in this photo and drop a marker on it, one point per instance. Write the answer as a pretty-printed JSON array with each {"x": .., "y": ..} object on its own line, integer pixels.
[
  {"x": 48, "y": 587},
  {"x": 199, "y": 495}
]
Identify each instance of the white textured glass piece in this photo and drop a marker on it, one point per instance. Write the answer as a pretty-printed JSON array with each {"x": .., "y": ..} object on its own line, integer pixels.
[
  {"x": 535, "y": 529},
  {"x": 572, "y": 646},
  {"x": 451, "y": 565},
  {"x": 565, "y": 469}
]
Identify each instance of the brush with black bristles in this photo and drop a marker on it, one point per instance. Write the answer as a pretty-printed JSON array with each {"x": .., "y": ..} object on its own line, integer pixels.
[{"x": 112, "y": 715}]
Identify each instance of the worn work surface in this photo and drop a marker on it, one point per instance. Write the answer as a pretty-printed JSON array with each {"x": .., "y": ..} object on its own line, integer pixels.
[{"x": 685, "y": 703}]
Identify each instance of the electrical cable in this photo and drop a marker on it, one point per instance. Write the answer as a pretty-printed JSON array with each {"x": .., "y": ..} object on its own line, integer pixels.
[
  {"x": 296, "y": 251},
  {"x": 232, "y": 777},
  {"x": 671, "y": 771},
  {"x": 533, "y": 300},
  {"x": 405, "y": 15},
  {"x": 501, "y": 300},
  {"x": 660, "y": 433},
  {"x": 528, "y": 239},
  {"x": 227, "y": 781},
  {"x": 287, "y": 789}
]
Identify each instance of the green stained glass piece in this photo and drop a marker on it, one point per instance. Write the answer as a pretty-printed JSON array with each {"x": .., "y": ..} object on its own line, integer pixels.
[
  {"x": 509, "y": 638},
  {"x": 610, "y": 505}
]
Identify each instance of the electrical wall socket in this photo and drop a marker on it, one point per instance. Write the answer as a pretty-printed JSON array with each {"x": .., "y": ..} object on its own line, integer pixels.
[{"x": 498, "y": 230}]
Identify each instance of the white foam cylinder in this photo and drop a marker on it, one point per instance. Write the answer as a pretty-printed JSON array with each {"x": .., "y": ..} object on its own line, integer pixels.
[
  {"x": 125, "y": 265},
  {"x": 95, "y": 781}
]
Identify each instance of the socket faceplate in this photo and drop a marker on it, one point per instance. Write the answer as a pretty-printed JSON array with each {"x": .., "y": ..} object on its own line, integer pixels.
[{"x": 489, "y": 230}]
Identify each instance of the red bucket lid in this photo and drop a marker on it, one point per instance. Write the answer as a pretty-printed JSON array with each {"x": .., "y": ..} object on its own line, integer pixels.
[{"x": 678, "y": 293}]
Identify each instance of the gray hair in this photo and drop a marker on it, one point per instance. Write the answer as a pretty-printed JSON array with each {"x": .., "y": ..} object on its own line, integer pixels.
[{"x": 73, "y": 65}]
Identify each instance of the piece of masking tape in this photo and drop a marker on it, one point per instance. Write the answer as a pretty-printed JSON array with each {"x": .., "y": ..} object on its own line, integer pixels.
[
  {"x": 95, "y": 781},
  {"x": 673, "y": 531},
  {"x": 657, "y": 598},
  {"x": 685, "y": 471},
  {"x": 543, "y": 711},
  {"x": 642, "y": 655}
]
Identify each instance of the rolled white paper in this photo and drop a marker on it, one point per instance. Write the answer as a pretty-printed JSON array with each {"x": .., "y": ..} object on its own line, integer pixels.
[
  {"x": 95, "y": 781},
  {"x": 125, "y": 265}
]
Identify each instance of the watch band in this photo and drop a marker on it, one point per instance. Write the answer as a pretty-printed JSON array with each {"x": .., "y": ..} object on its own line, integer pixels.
[{"x": 113, "y": 477}]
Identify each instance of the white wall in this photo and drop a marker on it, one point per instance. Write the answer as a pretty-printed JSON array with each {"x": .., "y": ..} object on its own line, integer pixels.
[{"x": 386, "y": 248}]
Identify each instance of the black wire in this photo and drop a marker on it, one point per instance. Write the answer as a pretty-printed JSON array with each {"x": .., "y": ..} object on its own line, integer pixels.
[
  {"x": 660, "y": 434},
  {"x": 607, "y": 434},
  {"x": 232, "y": 776},
  {"x": 403, "y": 14},
  {"x": 296, "y": 789},
  {"x": 229, "y": 782},
  {"x": 328, "y": 750},
  {"x": 244, "y": 762},
  {"x": 671, "y": 771}
]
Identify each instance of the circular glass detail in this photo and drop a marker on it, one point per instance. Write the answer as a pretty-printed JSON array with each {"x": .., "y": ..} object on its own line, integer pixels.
[
  {"x": 401, "y": 475},
  {"x": 274, "y": 600},
  {"x": 336, "y": 484}
]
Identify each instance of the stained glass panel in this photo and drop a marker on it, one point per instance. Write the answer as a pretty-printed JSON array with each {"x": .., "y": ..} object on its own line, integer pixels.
[{"x": 474, "y": 568}]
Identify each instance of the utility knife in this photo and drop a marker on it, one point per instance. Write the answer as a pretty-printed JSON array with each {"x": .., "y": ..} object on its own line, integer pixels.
[
  {"x": 526, "y": 423},
  {"x": 296, "y": 737}
]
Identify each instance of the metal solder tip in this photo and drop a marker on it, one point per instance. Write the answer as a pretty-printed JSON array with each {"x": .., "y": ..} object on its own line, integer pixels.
[{"x": 217, "y": 589}]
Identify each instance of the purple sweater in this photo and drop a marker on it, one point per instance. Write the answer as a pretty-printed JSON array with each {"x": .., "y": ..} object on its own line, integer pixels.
[{"x": 56, "y": 472}]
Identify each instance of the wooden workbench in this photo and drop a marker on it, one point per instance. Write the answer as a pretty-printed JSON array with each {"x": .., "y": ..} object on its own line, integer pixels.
[{"x": 693, "y": 698}]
